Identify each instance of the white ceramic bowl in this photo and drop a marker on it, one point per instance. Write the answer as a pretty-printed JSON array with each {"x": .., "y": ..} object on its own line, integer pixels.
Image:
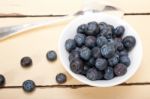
[{"x": 70, "y": 31}]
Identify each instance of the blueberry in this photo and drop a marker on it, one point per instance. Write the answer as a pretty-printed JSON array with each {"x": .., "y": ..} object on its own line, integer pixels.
[
  {"x": 82, "y": 28},
  {"x": 129, "y": 42},
  {"x": 91, "y": 62},
  {"x": 26, "y": 61},
  {"x": 80, "y": 39},
  {"x": 93, "y": 74},
  {"x": 28, "y": 85},
  {"x": 85, "y": 53},
  {"x": 76, "y": 66},
  {"x": 113, "y": 60},
  {"x": 107, "y": 32},
  {"x": 85, "y": 69},
  {"x": 90, "y": 41},
  {"x": 119, "y": 31},
  {"x": 73, "y": 55},
  {"x": 61, "y": 78},
  {"x": 101, "y": 40},
  {"x": 108, "y": 50},
  {"x": 102, "y": 25},
  {"x": 77, "y": 49},
  {"x": 125, "y": 60},
  {"x": 119, "y": 45},
  {"x": 109, "y": 73},
  {"x": 70, "y": 45},
  {"x": 101, "y": 64},
  {"x": 120, "y": 69},
  {"x": 2, "y": 80},
  {"x": 123, "y": 53},
  {"x": 96, "y": 52},
  {"x": 51, "y": 55},
  {"x": 93, "y": 28}
]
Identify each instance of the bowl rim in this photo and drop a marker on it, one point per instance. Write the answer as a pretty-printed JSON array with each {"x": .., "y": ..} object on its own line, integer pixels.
[{"x": 95, "y": 84}]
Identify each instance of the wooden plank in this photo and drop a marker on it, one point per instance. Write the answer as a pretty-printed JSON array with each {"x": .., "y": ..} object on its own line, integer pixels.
[
  {"x": 37, "y": 42},
  {"x": 134, "y": 92},
  {"x": 44, "y": 7}
]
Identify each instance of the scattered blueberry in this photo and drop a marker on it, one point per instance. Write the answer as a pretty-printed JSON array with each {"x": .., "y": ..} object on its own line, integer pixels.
[
  {"x": 90, "y": 41},
  {"x": 119, "y": 31},
  {"x": 93, "y": 74},
  {"x": 80, "y": 39},
  {"x": 120, "y": 69},
  {"x": 101, "y": 40},
  {"x": 76, "y": 66},
  {"x": 26, "y": 61},
  {"x": 82, "y": 29},
  {"x": 108, "y": 50},
  {"x": 85, "y": 53},
  {"x": 101, "y": 64},
  {"x": 129, "y": 42},
  {"x": 51, "y": 55},
  {"x": 93, "y": 28},
  {"x": 125, "y": 60},
  {"x": 61, "y": 78},
  {"x": 2, "y": 80},
  {"x": 109, "y": 73},
  {"x": 96, "y": 52},
  {"x": 28, "y": 85},
  {"x": 70, "y": 44}
]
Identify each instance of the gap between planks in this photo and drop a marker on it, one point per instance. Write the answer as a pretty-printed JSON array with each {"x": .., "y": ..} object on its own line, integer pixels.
[
  {"x": 80, "y": 85},
  {"x": 51, "y": 15}
]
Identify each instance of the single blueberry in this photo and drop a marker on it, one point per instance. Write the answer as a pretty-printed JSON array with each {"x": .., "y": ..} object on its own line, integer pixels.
[
  {"x": 109, "y": 73},
  {"x": 76, "y": 66},
  {"x": 28, "y": 85},
  {"x": 90, "y": 41},
  {"x": 93, "y": 74},
  {"x": 119, "y": 31},
  {"x": 73, "y": 55},
  {"x": 91, "y": 62},
  {"x": 26, "y": 61},
  {"x": 118, "y": 43},
  {"x": 101, "y": 64},
  {"x": 96, "y": 52},
  {"x": 113, "y": 60},
  {"x": 93, "y": 28},
  {"x": 101, "y": 40},
  {"x": 82, "y": 28},
  {"x": 51, "y": 55},
  {"x": 120, "y": 69},
  {"x": 61, "y": 78},
  {"x": 70, "y": 44},
  {"x": 108, "y": 50},
  {"x": 85, "y": 53},
  {"x": 80, "y": 39},
  {"x": 125, "y": 60},
  {"x": 129, "y": 42},
  {"x": 123, "y": 53}
]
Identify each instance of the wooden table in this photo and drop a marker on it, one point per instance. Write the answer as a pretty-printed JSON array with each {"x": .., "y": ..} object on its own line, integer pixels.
[{"x": 37, "y": 42}]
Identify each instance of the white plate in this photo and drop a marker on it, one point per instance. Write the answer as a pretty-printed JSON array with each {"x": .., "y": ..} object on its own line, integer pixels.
[{"x": 70, "y": 31}]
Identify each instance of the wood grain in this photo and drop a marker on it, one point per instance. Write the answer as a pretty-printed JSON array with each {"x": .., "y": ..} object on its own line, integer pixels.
[
  {"x": 45, "y": 39},
  {"x": 58, "y": 7},
  {"x": 125, "y": 92}
]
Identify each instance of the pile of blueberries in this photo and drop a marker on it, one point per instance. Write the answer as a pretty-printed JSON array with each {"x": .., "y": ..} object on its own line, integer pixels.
[
  {"x": 99, "y": 51},
  {"x": 29, "y": 85}
]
